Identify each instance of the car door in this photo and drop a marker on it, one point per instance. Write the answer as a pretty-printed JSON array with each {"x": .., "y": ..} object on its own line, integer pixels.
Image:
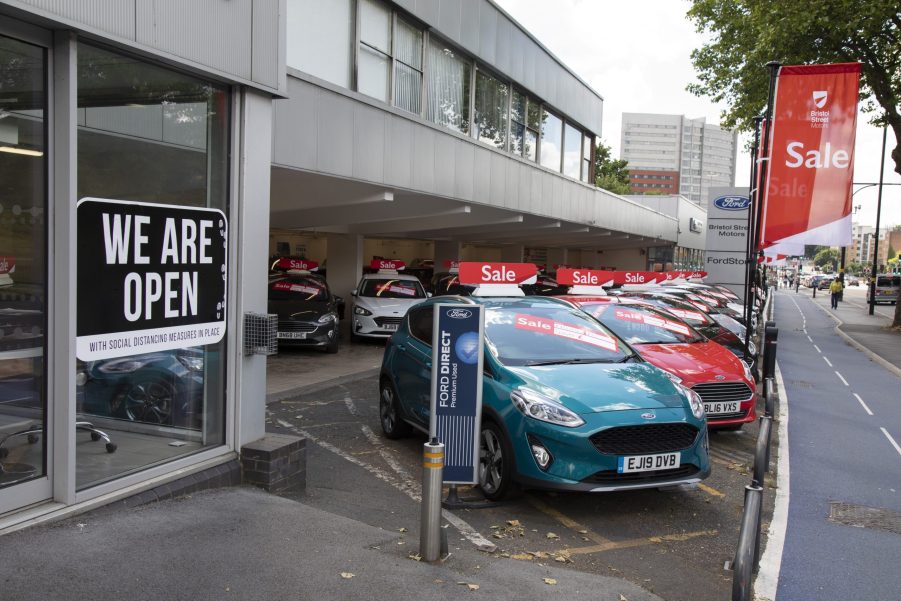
[{"x": 413, "y": 366}]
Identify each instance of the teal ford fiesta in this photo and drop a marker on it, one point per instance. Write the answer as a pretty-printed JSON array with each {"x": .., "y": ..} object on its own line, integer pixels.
[{"x": 566, "y": 404}]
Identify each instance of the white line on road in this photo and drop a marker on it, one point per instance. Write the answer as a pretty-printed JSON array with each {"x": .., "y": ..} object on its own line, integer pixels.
[
  {"x": 351, "y": 407},
  {"x": 864, "y": 405},
  {"x": 818, "y": 349},
  {"x": 828, "y": 362},
  {"x": 891, "y": 440},
  {"x": 810, "y": 339},
  {"x": 844, "y": 381}
]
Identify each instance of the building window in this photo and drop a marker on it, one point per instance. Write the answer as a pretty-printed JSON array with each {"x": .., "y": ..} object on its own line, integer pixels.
[
  {"x": 551, "y": 141},
  {"x": 448, "y": 88},
  {"x": 524, "y": 118},
  {"x": 150, "y": 134},
  {"x": 491, "y": 101},
  {"x": 23, "y": 262},
  {"x": 408, "y": 68},
  {"x": 374, "y": 57},
  {"x": 572, "y": 151},
  {"x": 321, "y": 46},
  {"x": 587, "y": 143}
]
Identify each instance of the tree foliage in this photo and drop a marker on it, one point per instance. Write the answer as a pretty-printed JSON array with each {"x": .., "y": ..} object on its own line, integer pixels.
[
  {"x": 609, "y": 173},
  {"x": 811, "y": 250},
  {"x": 744, "y": 35},
  {"x": 827, "y": 256}
]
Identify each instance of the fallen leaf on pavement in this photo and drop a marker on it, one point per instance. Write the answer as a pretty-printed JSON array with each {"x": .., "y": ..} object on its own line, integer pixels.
[
  {"x": 552, "y": 535},
  {"x": 513, "y": 523},
  {"x": 402, "y": 530},
  {"x": 472, "y": 587},
  {"x": 346, "y": 575},
  {"x": 415, "y": 557},
  {"x": 550, "y": 581},
  {"x": 522, "y": 556},
  {"x": 621, "y": 598}
]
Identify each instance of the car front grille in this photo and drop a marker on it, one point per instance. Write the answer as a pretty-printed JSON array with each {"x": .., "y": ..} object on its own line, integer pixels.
[
  {"x": 720, "y": 416},
  {"x": 718, "y": 392},
  {"x": 645, "y": 439},
  {"x": 288, "y": 325},
  {"x": 384, "y": 321},
  {"x": 613, "y": 477}
]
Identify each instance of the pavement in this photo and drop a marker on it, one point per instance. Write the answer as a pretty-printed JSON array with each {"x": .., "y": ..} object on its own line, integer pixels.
[{"x": 245, "y": 544}]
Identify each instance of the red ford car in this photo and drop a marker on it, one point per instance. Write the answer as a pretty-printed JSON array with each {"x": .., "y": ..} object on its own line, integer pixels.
[{"x": 722, "y": 380}]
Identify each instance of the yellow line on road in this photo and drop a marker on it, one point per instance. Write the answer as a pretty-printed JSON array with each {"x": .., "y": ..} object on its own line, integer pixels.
[
  {"x": 568, "y": 522},
  {"x": 638, "y": 542},
  {"x": 711, "y": 491}
]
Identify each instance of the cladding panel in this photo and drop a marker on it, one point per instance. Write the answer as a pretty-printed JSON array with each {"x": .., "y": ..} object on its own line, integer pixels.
[
  {"x": 464, "y": 155},
  {"x": 445, "y": 164},
  {"x": 295, "y": 127},
  {"x": 267, "y": 64},
  {"x": 116, "y": 17},
  {"x": 399, "y": 152},
  {"x": 369, "y": 143},
  {"x": 336, "y": 133},
  {"x": 424, "y": 158},
  {"x": 449, "y": 19}
]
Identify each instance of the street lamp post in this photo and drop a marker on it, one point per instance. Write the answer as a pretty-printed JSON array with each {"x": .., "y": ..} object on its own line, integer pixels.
[{"x": 875, "y": 270}]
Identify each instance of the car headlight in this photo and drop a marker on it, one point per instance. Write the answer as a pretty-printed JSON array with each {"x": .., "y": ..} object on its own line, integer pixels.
[
  {"x": 327, "y": 319},
  {"x": 747, "y": 370},
  {"x": 191, "y": 363},
  {"x": 695, "y": 402},
  {"x": 536, "y": 405},
  {"x": 752, "y": 348},
  {"x": 358, "y": 310}
]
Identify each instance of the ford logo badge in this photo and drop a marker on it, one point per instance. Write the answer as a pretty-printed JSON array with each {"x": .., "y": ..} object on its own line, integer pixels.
[
  {"x": 732, "y": 203},
  {"x": 720, "y": 378},
  {"x": 459, "y": 313},
  {"x": 648, "y": 415}
]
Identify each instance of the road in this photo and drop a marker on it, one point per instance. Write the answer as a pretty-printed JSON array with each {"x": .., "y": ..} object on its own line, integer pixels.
[
  {"x": 672, "y": 543},
  {"x": 844, "y": 518}
]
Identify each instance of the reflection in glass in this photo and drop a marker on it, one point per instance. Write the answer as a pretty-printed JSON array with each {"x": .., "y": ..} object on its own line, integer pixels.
[
  {"x": 372, "y": 73},
  {"x": 321, "y": 46},
  {"x": 149, "y": 134},
  {"x": 23, "y": 262},
  {"x": 374, "y": 57},
  {"x": 448, "y": 88},
  {"x": 572, "y": 151},
  {"x": 586, "y": 158},
  {"x": 491, "y": 110},
  {"x": 551, "y": 140},
  {"x": 408, "y": 68}
]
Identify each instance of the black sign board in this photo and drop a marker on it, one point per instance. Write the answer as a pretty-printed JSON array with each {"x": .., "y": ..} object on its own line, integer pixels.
[
  {"x": 456, "y": 403},
  {"x": 150, "y": 277}
]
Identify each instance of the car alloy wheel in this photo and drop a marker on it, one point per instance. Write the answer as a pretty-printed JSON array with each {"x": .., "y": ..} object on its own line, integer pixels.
[
  {"x": 495, "y": 459},
  {"x": 150, "y": 401},
  {"x": 392, "y": 425}
]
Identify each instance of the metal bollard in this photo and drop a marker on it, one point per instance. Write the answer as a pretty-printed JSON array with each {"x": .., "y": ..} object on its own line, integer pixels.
[
  {"x": 432, "y": 478},
  {"x": 769, "y": 391},
  {"x": 747, "y": 553},
  {"x": 762, "y": 450},
  {"x": 770, "y": 337}
]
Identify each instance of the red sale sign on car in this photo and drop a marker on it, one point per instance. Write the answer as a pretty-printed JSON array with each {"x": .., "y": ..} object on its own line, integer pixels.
[
  {"x": 299, "y": 264},
  {"x": 497, "y": 273},
  {"x": 390, "y": 264},
  {"x": 584, "y": 277}
]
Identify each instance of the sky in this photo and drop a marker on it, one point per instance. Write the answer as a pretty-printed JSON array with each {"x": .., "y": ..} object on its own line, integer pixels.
[{"x": 637, "y": 55}]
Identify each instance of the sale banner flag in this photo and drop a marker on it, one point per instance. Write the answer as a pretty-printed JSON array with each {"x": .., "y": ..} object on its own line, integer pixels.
[{"x": 807, "y": 192}]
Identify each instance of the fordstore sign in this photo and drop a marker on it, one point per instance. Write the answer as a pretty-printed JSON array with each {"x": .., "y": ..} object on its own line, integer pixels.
[{"x": 732, "y": 203}]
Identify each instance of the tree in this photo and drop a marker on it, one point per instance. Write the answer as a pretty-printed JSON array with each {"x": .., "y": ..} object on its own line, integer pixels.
[
  {"x": 827, "y": 256},
  {"x": 746, "y": 34},
  {"x": 610, "y": 174},
  {"x": 812, "y": 250},
  {"x": 854, "y": 268}
]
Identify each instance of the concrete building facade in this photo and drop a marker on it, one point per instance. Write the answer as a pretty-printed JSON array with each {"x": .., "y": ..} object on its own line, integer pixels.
[{"x": 670, "y": 154}]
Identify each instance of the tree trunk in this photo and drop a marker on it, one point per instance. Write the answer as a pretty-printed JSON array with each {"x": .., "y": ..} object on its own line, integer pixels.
[{"x": 897, "y": 322}]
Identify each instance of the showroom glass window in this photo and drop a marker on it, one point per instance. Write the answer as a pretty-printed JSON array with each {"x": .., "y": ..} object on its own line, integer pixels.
[
  {"x": 150, "y": 134},
  {"x": 491, "y": 102},
  {"x": 23, "y": 262},
  {"x": 551, "y": 140},
  {"x": 572, "y": 151},
  {"x": 448, "y": 87}
]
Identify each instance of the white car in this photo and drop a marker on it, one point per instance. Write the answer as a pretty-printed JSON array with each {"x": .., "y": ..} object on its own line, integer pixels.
[{"x": 380, "y": 302}]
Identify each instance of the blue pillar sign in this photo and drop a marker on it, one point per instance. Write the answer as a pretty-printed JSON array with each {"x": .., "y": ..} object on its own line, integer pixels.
[{"x": 456, "y": 402}]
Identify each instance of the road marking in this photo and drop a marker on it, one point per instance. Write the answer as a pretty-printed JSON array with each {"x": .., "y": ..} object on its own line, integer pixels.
[
  {"x": 639, "y": 542},
  {"x": 891, "y": 440},
  {"x": 711, "y": 491},
  {"x": 413, "y": 492},
  {"x": 864, "y": 405},
  {"x": 771, "y": 560},
  {"x": 810, "y": 339},
  {"x": 844, "y": 381},
  {"x": 568, "y": 522},
  {"x": 818, "y": 348},
  {"x": 351, "y": 407},
  {"x": 828, "y": 362}
]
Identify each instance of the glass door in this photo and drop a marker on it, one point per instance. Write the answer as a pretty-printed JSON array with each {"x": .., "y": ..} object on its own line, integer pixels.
[{"x": 23, "y": 274}]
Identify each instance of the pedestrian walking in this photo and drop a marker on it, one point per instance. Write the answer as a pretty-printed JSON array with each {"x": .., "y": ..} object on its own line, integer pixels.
[{"x": 836, "y": 289}]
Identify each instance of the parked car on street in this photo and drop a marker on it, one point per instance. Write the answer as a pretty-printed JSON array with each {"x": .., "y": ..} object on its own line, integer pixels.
[
  {"x": 380, "y": 302},
  {"x": 887, "y": 286},
  {"x": 566, "y": 404}
]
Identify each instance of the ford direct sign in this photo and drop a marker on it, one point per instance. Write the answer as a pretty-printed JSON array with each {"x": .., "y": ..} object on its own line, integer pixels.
[{"x": 732, "y": 203}]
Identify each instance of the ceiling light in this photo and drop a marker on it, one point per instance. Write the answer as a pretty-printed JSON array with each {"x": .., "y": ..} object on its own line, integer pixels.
[{"x": 26, "y": 152}]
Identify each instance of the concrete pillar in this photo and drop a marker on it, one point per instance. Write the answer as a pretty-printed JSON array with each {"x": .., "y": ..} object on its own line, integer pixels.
[
  {"x": 512, "y": 253},
  {"x": 345, "y": 264},
  {"x": 557, "y": 256},
  {"x": 446, "y": 251}
]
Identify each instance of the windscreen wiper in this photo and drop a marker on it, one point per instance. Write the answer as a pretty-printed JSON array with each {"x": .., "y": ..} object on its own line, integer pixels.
[{"x": 567, "y": 361}]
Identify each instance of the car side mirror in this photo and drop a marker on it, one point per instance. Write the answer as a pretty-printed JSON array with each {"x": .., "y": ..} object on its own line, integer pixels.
[
  {"x": 428, "y": 295},
  {"x": 354, "y": 293}
]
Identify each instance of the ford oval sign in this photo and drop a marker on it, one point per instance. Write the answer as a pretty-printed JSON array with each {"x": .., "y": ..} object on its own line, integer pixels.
[
  {"x": 459, "y": 313},
  {"x": 732, "y": 203},
  {"x": 648, "y": 415}
]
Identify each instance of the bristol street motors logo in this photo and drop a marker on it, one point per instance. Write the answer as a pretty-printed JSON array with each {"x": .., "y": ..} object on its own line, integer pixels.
[{"x": 819, "y": 118}]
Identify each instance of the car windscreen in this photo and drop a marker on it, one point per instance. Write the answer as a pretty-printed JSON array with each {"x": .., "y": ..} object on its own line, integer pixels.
[
  {"x": 298, "y": 289},
  {"x": 391, "y": 288},
  {"x": 528, "y": 333},
  {"x": 640, "y": 325}
]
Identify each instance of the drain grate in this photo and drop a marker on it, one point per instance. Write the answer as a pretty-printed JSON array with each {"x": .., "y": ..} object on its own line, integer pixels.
[{"x": 860, "y": 516}]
